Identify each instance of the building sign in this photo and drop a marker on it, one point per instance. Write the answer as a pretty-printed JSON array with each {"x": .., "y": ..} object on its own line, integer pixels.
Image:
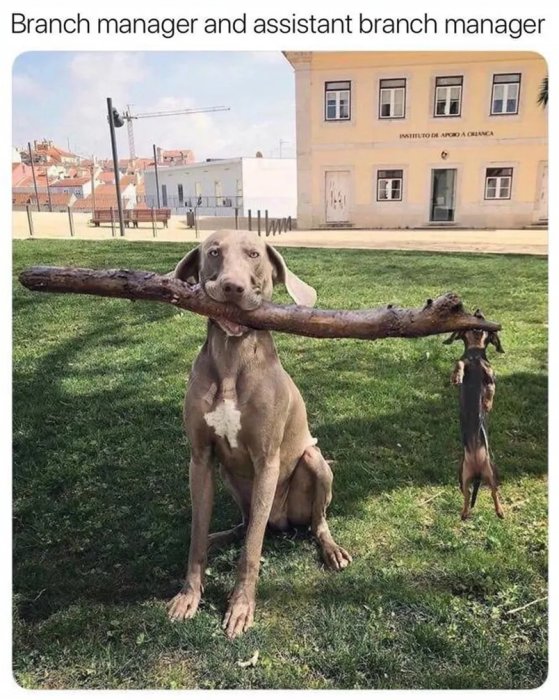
[{"x": 445, "y": 134}]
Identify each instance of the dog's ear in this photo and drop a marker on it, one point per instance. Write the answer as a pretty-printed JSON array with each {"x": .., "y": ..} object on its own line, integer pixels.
[
  {"x": 494, "y": 339},
  {"x": 299, "y": 291},
  {"x": 188, "y": 269},
  {"x": 456, "y": 335}
]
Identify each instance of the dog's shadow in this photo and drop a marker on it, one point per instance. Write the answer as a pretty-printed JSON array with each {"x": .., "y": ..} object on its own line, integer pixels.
[{"x": 101, "y": 506}]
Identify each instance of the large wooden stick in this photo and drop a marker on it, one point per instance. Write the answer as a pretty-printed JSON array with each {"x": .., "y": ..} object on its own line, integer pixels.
[{"x": 442, "y": 315}]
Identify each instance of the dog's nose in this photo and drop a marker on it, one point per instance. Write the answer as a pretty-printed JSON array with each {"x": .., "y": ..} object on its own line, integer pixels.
[{"x": 232, "y": 288}]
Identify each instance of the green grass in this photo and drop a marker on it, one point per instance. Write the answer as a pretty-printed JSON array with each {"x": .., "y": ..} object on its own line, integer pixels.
[{"x": 101, "y": 504}]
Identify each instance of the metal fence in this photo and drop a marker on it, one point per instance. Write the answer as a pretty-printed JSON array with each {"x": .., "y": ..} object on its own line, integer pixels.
[{"x": 205, "y": 205}]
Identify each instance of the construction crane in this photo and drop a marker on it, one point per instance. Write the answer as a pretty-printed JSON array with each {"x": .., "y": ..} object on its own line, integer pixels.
[{"x": 129, "y": 117}]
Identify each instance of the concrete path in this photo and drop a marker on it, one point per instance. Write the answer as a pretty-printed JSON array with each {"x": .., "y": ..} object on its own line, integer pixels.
[{"x": 523, "y": 241}]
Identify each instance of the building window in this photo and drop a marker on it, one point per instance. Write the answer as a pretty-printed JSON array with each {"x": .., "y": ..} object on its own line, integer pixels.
[
  {"x": 198, "y": 193},
  {"x": 389, "y": 185},
  {"x": 392, "y": 99},
  {"x": 164, "y": 194},
  {"x": 448, "y": 96},
  {"x": 505, "y": 93},
  {"x": 498, "y": 183},
  {"x": 218, "y": 190},
  {"x": 337, "y": 100},
  {"x": 181, "y": 194}
]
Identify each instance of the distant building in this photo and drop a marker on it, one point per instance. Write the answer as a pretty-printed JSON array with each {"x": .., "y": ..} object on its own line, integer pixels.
[
  {"x": 46, "y": 152},
  {"x": 128, "y": 166},
  {"x": 58, "y": 201},
  {"x": 175, "y": 157},
  {"x": 420, "y": 139},
  {"x": 26, "y": 185},
  {"x": 107, "y": 177},
  {"x": 104, "y": 197},
  {"x": 20, "y": 172},
  {"x": 79, "y": 186},
  {"x": 217, "y": 187}
]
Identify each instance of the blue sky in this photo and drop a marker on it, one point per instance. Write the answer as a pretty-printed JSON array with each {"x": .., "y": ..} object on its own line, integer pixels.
[{"x": 62, "y": 96}]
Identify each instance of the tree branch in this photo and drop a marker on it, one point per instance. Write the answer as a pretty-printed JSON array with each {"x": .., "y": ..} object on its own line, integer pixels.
[{"x": 442, "y": 315}]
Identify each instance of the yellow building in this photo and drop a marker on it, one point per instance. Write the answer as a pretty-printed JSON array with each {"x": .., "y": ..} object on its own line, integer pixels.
[{"x": 420, "y": 139}]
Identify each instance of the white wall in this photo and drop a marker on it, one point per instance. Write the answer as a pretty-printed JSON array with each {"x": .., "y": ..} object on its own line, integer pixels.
[
  {"x": 79, "y": 191},
  {"x": 270, "y": 183},
  {"x": 226, "y": 172},
  {"x": 128, "y": 196},
  {"x": 252, "y": 183}
]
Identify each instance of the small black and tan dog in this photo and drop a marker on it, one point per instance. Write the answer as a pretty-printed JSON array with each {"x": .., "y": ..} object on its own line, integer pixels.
[{"x": 476, "y": 379}]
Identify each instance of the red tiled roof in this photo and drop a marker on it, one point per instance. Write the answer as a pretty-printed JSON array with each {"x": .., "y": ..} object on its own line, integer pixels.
[
  {"x": 143, "y": 163},
  {"x": 52, "y": 151},
  {"x": 58, "y": 199},
  {"x": 40, "y": 178},
  {"x": 103, "y": 200},
  {"x": 107, "y": 176},
  {"x": 71, "y": 182},
  {"x": 86, "y": 203},
  {"x": 104, "y": 190},
  {"x": 105, "y": 197},
  {"x": 126, "y": 180},
  {"x": 19, "y": 173},
  {"x": 178, "y": 153}
]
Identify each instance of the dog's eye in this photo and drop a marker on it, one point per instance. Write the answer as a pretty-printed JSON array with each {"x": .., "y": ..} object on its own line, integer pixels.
[
  {"x": 214, "y": 252},
  {"x": 253, "y": 254}
]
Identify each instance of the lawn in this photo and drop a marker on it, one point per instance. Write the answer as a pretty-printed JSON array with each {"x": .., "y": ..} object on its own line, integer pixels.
[{"x": 102, "y": 514}]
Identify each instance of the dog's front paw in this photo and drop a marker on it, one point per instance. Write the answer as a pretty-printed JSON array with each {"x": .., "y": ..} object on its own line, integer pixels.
[
  {"x": 335, "y": 556},
  {"x": 240, "y": 614},
  {"x": 185, "y": 604}
]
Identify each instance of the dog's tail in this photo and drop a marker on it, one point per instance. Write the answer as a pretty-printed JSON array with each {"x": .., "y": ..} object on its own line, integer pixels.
[{"x": 475, "y": 488}]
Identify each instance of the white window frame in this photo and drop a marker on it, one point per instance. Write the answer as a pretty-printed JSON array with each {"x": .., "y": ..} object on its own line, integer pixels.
[
  {"x": 198, "y": 194},
  {"x": 498, "y": 182},
  {"x": 446, "y": 90},
  {"x": 336, "y": 90},
  {"x": 386, "y": 185},
  {"x": 392, "y": 98},
  {"x": 218, "y": 191},
  {"x": 506, "y": 86}
]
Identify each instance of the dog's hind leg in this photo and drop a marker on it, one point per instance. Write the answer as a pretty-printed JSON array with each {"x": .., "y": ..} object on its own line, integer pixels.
[
  {"x": 310, "y": 494},
  {"x": 466, "y": 493},
  {"x": 494, "y": 486},
  {"x": 498, "y": 507},
  {"x": 465, "y": 477}
]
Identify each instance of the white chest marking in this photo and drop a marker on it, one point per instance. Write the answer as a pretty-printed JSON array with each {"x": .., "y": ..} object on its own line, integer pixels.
[{"x": 225, "y": 420}]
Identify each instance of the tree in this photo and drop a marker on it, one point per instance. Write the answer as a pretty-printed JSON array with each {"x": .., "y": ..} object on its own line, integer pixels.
[{"x": 542, "y": 96}]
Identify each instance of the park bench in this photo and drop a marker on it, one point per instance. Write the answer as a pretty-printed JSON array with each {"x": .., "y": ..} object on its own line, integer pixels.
[
  {"x": 137, "y": 216},
  {"x": 103, "y": 216},
  {"x": 131, "y": 216}
]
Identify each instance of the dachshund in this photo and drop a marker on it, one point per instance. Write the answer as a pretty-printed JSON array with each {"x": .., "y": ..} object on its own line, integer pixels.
[{"x": 476, "y": 379}]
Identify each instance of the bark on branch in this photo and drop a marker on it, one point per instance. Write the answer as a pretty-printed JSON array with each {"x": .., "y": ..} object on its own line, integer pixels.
[{"x": 441, "y": 315}]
